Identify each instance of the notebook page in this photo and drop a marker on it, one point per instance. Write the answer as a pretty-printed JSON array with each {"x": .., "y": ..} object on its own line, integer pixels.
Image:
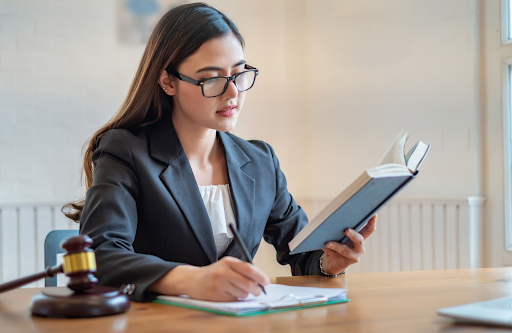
[{"x": 275, "y": 292}]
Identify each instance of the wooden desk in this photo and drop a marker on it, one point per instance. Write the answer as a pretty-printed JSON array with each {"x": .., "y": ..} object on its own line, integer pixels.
[{"x": 382, "y": 302}]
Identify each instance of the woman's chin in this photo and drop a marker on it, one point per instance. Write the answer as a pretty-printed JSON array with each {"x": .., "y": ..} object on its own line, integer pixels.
[
  {"x": 225, "y": 128},
  {"x": 227, "y": 125}
]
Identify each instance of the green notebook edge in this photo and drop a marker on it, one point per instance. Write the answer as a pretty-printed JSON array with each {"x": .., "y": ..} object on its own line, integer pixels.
[{"x": 256, "y": 313}]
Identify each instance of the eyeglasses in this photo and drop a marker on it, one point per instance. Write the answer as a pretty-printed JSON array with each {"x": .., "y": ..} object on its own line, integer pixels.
[{"x": 216, "y": 86}]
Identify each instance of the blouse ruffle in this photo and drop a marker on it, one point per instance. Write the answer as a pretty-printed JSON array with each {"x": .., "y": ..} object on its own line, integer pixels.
[{"x": 217, "y": 201}]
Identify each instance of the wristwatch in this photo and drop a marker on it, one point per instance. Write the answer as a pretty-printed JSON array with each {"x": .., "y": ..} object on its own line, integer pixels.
[{"x": 322, "y": 270}]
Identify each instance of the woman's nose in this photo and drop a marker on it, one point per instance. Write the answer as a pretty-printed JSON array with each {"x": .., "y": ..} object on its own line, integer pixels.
[{"x": 231, "y": 91}]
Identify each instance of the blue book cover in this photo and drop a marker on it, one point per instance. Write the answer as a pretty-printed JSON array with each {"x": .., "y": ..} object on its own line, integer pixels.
[
  {"x": 354, "y": 213},
  {"x": 353, "y": 207}
]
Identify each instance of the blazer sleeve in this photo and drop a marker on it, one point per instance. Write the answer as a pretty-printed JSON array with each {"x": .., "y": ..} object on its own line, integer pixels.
[
  {"x": 285, "y": 221},
  {"x": 110, "y": 219}
]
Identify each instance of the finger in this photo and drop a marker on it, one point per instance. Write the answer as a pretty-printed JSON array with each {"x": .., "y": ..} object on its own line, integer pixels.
[
  {"x": 241, "y": 286},
  {"x": 369, "y": 224},
  {"x": 331, "y": 253},
  {"x": 221, "y": 291},
  {"x": 247, "y": 277},
  {"x": 356, "y": 238},
  {"x": 225, "y": 296},
  {"x": 335, "y": 248},
  {"x": 231, "y": 293},
  {"x": 240, "y": 291},
  {"x": 249, "y": 271},
  {"x": 225, "y": 280},
  {"x": 350, "y": 256},
  {"x": 233, "y": 283},
  {"x": 369, "y": 228}
]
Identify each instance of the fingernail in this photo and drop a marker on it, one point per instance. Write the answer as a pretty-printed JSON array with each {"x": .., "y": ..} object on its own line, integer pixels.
[{"x": 329, "y": 244}]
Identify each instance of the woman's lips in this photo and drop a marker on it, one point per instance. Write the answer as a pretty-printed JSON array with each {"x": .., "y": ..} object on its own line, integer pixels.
[{"x": 227, "y": 111}]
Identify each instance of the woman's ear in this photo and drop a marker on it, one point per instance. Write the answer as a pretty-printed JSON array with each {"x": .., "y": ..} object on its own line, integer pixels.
[{"x": 168, "y": 85}]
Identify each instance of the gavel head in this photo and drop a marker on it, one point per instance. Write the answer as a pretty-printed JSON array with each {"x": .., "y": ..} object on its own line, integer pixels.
[{"x": 79, "y": 263}]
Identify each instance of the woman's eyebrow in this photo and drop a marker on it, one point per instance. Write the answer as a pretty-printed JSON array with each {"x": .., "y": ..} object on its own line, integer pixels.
[{"x": 213, "y": 68}]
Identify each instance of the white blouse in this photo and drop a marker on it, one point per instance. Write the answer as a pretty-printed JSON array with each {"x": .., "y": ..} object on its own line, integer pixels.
[{"x": 217, "y": 200}]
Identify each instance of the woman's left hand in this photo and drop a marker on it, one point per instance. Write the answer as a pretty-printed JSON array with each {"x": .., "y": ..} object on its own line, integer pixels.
[{"x": 339, "y": 256}]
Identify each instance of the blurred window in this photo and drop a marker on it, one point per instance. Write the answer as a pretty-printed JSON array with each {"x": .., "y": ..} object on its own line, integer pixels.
[
  {"x": 506, "y": 74},
  {"x": 506, "y": 21},
  {"x": 509, "y": 15},
  {"x": 507, "y": 136}
]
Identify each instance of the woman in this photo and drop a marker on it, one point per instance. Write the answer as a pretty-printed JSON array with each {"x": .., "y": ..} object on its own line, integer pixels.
[{"x": 168, "y": 177}]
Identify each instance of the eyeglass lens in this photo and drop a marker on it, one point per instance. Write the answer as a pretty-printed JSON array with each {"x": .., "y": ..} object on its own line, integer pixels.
[{"x": 217, "y": 86}]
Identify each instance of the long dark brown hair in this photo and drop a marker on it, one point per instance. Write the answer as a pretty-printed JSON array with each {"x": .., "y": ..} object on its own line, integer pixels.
[{"x": 178, "y": 35}]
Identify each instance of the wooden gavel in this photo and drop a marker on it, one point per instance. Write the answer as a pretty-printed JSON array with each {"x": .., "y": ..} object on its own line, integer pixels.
[
  {"x": 83, "y": 298},
  {"x": 79, "y": 264}
]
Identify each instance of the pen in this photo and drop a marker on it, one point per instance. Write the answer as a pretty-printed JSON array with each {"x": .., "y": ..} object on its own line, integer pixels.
[{"x": 242, "y": 246}]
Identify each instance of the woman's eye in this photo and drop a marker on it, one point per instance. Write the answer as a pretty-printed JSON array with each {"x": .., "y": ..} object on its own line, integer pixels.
[{"x": 212, "y": 80}]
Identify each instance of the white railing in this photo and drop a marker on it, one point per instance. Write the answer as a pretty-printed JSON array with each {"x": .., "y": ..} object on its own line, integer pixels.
[
  {"x": 418, "y": 235},
  {"x": 412, "y": 234},
  {"x": 23, "y": 228}
]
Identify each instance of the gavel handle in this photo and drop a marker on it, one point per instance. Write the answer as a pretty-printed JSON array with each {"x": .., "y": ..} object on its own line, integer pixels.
[{"x": 49, "y": 272}]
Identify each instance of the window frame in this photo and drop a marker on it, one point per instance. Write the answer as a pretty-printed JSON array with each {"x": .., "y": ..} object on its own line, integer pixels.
[
  {"x": 506, "y": 30},
  {"x": 507, "y": 145}
]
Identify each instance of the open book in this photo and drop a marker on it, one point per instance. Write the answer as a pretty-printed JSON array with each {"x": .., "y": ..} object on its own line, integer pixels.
[
  {"x": 278, "y": 298},
  {"x": 354, "y": 207}
]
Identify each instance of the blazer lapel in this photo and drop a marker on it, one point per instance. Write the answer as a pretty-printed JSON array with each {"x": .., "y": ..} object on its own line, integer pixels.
[
  {"x": 179, "y": 179},
  {"x": 242, "y": 191}
]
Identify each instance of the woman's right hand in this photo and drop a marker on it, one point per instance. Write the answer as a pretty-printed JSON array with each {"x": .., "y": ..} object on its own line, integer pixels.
[{"x": 225, "y": 280}]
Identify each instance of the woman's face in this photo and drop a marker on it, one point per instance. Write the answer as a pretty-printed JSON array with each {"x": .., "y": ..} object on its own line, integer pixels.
[{"x": 221, "y": 56}]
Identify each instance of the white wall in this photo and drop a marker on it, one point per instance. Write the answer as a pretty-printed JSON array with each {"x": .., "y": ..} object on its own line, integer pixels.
[
  {"x": 338, "y": 80},
  {"x": 392, "y": 65},
  {"x": 62, "y": 74}
]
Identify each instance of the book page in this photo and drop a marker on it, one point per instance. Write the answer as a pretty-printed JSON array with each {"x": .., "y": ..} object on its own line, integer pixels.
[
  {"x": 408, "y": 156},
  {"x": 399, "y": 156},
  {"x": 395, "y": 153},
  {"x": 417, "y": 155},
  {"x": 388, "y": 170}
]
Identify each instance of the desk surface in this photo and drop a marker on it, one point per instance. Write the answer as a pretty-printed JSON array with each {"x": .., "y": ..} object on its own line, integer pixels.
[{"x": 380, "y": 302}]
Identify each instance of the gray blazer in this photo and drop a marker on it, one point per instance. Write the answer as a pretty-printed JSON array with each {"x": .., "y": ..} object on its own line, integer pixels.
[{"x": 145, "y": 214}]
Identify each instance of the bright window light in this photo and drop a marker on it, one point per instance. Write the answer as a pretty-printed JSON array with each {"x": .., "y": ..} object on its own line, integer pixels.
[{"x": 509, "y": 15}]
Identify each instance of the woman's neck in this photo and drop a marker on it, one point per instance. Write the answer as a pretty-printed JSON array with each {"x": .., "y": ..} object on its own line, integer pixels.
[
  {"x": 200, "y": 144},
  {"x": 204, "y": 152}
]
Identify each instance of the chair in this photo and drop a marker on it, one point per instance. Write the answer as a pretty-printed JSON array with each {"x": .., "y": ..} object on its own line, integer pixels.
[{"x": 52, "y": 248}]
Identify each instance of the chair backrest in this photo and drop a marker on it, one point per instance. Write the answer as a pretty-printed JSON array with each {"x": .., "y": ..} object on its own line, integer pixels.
[{"x": 52, "y": 248}]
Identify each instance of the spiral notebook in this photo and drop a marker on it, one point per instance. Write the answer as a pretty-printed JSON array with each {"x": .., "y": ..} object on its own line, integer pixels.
[{"x": 279, "y": 298}]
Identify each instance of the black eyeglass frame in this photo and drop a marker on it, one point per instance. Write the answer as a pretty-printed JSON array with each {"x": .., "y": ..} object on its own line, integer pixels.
[{"x": 201, "y": 82}]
